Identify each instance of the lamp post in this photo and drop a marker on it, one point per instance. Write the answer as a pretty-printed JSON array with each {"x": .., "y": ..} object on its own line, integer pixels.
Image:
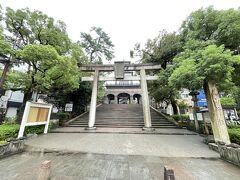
[{"x": 195, "y": 106}]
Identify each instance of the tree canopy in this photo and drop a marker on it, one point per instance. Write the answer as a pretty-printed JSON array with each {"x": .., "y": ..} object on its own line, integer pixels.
[
  {"x": 161, "y": 49},
  {"x": 34, "y": 27},
  {"x": 49, "y": 71},
  {"x": 218, "y": 26},
  {"x": 162, "y": 91},
  {"x": 41, "y": 45},
  {"x": 210, "y": 63},
  {"x": 97, "y": 44}
]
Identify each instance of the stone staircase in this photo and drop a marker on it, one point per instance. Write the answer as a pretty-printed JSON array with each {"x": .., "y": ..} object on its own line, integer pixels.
[{"x": 122, "y": 116}]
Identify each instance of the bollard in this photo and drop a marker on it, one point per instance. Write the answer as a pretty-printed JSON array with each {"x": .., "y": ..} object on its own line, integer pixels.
[
  {"x": 168, "y": 173},
  {"x": 44, "y": 172}
]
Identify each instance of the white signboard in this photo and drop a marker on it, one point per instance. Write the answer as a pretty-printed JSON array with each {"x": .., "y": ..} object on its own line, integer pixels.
[
  {"x": 199, "y": 117},
  {"x": 68, "y": 107},
  {"x": 191, "y": 116},
  {"x": 35, "y": 114}
]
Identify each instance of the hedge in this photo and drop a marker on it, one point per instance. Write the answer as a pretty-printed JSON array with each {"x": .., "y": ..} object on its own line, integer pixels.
[
  {"x": 182, "y": 117},
  {"x": 234, "y": 134},
  {"x": 63, "y": 115},
  {"x": 8, "y": 131},
  {"x": 11, "y": 130}
]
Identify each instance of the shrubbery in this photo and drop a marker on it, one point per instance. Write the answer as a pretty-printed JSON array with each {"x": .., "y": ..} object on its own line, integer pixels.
[
  {"x": 182, "y": 117},
  {"x": 234, "y": 134},
  {"x": 8, "y": 131},
  {"x": 62, "y": 116},
  {"x": 36, "y": 129}
]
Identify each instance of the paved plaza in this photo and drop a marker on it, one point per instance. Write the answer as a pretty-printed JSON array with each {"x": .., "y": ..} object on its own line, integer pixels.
[
  {"x": 87, "y": 166},
  {"x": 124, "y": 144},
  {"x": 106, "y": 156}
]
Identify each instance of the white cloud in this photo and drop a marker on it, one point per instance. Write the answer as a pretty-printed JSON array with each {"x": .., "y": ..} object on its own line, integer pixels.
[{"x": 126, "y": 21}]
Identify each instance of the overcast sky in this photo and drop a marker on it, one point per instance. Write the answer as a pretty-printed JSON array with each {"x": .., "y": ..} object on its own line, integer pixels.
[{"x": 126, "y": 21}]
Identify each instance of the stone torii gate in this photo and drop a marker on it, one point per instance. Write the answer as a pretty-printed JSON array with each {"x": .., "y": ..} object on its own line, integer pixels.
[{"x": 119, "y": 68}]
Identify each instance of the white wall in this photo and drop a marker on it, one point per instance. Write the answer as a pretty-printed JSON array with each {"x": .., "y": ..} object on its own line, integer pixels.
[
  {"x": 11, "y": 112},
  {"x": 15, "y": 96}
]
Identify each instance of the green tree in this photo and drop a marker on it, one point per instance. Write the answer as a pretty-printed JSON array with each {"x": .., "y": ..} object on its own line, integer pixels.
[
  {"x": 6, "y": 56},
  {"x": 34, "y": 27},
  {"x": 162, "y": 91},
  {"x": 80, "y": 98},
  {"x": 25, "y": 27},
  {"x": 209, "y": 67},
  {"x": 161, "y": 49},
  {"x": 228, "y": 101},
  {"x": 218, "y": 26},
  {"x": 209, "y": 26},
  {"x": 97, "y": 45},
  {"x": 48, "y": 71}
]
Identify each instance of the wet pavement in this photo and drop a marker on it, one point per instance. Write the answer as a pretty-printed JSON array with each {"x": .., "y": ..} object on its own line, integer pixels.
[
  {"x": 108, "y": 156},
  {"x": 124, "y": 144},
  {"x": 89, "y": 166}
]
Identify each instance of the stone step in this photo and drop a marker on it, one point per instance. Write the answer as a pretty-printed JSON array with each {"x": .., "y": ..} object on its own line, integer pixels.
[
  {"x": 121, "y": 126},
  {"x": 123, "y": 123},
  {"x": 118, "y": 121},
  {"x": 122, "y": 116},
  {"x": 123, "y": 120}
]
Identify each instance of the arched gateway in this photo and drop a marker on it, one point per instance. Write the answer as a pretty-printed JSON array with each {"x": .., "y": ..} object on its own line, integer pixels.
[
  {"x": 119, "y": 69},
  {"x": 110, "y": 98}
]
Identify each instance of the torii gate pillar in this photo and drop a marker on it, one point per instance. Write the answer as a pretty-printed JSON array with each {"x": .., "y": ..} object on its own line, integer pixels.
[
  {"x": 93, "y": 104},
  {"x": 145, "y": 101}
]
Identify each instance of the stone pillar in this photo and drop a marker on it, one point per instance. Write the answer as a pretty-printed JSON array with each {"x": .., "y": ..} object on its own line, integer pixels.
[
  {"x": 131, "y": 99},
  {"x": 115, "y": 99},
  {"x": 140, "y": 100},
  {"x": 92, "y": 111},
  {"x": 44, "y": 172},
  {"x": 105, "y": 100},
  {"x": 145, "y": 101}
]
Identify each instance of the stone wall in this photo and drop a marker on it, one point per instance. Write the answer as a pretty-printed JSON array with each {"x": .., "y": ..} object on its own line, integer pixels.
[
  {"x": 230, "y": 153},
  {"x": 11, "y": 147}
]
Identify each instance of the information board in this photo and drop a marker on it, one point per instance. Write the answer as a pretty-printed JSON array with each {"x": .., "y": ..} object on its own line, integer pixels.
[{"x": 35, "y": 114}]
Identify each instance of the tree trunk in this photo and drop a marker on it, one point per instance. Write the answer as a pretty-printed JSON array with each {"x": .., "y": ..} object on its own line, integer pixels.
[
  {"x": 216, "y": 113},
  {"x": 27, "y": 96},
  {"x": 3, "y": 77},
  {"x": 174, "y": 106}
]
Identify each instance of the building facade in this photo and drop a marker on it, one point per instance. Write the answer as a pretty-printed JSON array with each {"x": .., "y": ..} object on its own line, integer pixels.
[{"x": 123, "y": 92}]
